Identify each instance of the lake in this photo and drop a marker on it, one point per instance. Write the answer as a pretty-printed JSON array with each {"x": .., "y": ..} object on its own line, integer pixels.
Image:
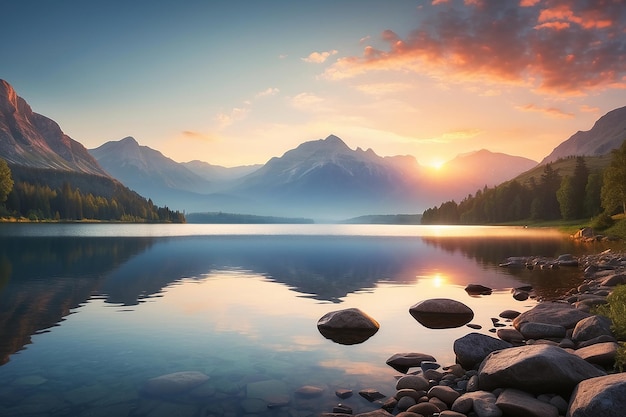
[{"x": 90, "y": 312}]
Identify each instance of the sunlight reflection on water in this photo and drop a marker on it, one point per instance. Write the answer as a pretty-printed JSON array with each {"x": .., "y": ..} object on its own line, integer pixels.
[{"x": 101, "y": 308}]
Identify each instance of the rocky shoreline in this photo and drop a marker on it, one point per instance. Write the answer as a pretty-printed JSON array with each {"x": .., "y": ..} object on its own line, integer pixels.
[{"x": 556, "y": 359}]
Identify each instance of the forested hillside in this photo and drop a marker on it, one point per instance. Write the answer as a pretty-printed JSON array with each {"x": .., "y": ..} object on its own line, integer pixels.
[
  {"x": 44, "y": 194},
  {"x": 568, "y": 189}
]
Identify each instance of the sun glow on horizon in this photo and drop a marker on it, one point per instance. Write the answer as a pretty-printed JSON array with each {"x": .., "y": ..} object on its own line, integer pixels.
[{"x": 436, "y": 164}]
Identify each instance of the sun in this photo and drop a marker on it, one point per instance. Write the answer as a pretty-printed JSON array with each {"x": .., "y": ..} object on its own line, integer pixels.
[{"x": 437, "y": 164}]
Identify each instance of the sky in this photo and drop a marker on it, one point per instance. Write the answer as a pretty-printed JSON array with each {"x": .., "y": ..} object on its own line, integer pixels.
[{"x": 238, "y": 82}]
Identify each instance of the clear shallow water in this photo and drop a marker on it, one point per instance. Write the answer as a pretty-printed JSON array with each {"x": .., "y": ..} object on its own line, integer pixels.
[{"x": 88, "y": 313}]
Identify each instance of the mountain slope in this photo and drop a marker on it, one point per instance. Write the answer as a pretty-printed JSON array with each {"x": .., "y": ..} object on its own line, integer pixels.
[
  {"x": 145, "y": 169},
  {"x": 607, "y": 134},
  {"x": 325, "y": 177},
  {"x": 217, "y": 173},
  {"x": 29, "y": 139},
  {"x": 483, "y": 167}
]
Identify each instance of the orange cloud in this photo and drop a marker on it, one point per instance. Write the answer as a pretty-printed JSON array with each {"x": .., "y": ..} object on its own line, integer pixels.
[
  {"x": 319, "y": 57},
  {"x": 561, "y": 47},
  {"x": 548, "y": 111},
  {"x": 199, "y": 136}
]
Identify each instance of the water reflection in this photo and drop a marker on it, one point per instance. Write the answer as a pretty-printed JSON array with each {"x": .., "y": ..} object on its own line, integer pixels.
[
  {"x": 240, "y": 308},
  {"x": 43, "y": 278}
]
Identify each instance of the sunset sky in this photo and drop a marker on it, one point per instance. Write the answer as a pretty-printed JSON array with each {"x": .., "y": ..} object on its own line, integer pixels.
[{"x": 237, "y": 82}]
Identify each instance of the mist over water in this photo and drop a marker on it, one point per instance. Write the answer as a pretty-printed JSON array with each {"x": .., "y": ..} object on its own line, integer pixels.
[{"x": 90, "y": 312}]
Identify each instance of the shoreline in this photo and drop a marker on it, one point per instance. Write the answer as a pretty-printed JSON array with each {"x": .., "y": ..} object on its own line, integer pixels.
[{"x": 429, "y": 389}]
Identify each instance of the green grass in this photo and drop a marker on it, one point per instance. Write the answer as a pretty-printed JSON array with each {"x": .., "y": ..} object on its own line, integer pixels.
[
  {"x": 615, "y": 309},
  {"x": 619, "y": 228}
]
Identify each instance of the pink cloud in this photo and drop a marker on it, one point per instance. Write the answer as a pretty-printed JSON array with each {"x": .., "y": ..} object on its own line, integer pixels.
[
  {"x": 552, "y": 46},
  {"x": 548, "y": 111}
]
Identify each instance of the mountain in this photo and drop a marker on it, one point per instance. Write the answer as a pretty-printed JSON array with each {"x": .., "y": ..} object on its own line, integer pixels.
[
  {"x": 608, "y": 133},
  {"x": 320, "y": 179},
  {"x": 146, "y": 170},
  {"x": 191, "y": 186},
  {"x": 56, "y": 177},
  {"x": 219, "y": 173},
  {"x": 483, "y": 167},
  {"x": 28, "y": 139},
  {"x": 325, "y": 178}
]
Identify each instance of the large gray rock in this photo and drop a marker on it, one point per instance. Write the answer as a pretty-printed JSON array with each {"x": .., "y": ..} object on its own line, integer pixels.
[
  {"x": 519, "y": 403},
  {"x": 175, "y": 383},
  {"x": 600, "y": 353},
  {"x": 441, "y": 313},
  {"x": 472, "y": 348},
  {"x": 559, "y": 314},
  {"x": 592, "y": 327},
  {"x": 532, "y": 330},
  {"x": 535, "y": 368},
  {"x": 604, "y": 396},
  {"x": 347, "y": 327}
]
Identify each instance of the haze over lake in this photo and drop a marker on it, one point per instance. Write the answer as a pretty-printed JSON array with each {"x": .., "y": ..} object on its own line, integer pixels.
[{"x": 89, "y": 312}]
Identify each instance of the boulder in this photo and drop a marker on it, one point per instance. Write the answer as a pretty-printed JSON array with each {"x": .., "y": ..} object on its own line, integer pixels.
[
  {"x": 465, "y": 403},
  {"x": 441, "y": 313},
  {"x": 600, "y": 353},
  {"x": 535, "y": 368},
  {"x": 445, "y": 394},
  {"x": 603, "y": 396},
  {"x": 567, "y": 259},
  {"x": 174, "y": 383},
  {"x": 584, "y": 233},
  {"x": 592, "y": 327},
  {"x": 472, "y": 348},
  {"x": 401, "y": 362},
  {"x": 425, "y": 409},
  {"x": 510, "y": 335},
  {"x": 413, "y": 382},
  {"x": 371, "y": 394},
  {"x": 347, "y": 327},
  {"x": 558, "y": 314},
  {"x": 532, "y": 330},
  {"x": 509, "y": 314},
  {"x": 514, "y": 402},
  {"x": 613, "y": 280},
  {"x": 477, "y": 289},
  {"x": 520, "y": 295}
]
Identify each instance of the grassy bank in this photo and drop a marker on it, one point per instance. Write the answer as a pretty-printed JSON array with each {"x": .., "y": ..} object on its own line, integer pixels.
[{"x": 570, "y": 227}]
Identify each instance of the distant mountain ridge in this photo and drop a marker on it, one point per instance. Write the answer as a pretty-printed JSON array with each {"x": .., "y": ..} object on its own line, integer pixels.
[
  {"x": 321, "y": 178},
  {"x": 136, "y": 166},
  {"x": 488, "y": 168},
  {"x": 29, "y": 139},
  {"x": 607, "y": 133}
]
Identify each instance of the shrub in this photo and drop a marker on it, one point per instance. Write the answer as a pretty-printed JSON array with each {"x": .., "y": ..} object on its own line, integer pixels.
[
  {"x": 602, "y": 221},
  {"x": 615, "y": 309}
]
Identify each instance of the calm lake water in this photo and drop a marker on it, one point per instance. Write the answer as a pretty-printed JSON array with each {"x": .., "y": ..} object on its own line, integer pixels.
[{"x": 89, "y": 312}]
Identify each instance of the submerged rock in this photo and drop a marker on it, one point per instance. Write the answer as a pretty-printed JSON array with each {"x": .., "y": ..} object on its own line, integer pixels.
[
  {"x": 174, "y": 383},
  {"x": 441, "y": 313}
]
